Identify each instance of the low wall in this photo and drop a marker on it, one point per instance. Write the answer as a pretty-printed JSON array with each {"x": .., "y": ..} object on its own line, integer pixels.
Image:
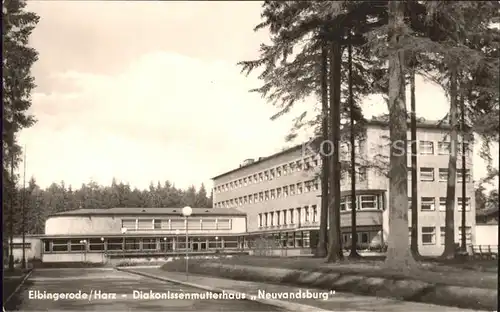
[
  {"x": 396, "y": 288},
  {"x": 486, "y": 234}
]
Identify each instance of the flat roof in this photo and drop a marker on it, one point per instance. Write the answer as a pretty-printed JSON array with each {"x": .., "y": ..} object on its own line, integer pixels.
[
  {"x": 382, "y": 122},
  {"x": 122, "y": 211}
]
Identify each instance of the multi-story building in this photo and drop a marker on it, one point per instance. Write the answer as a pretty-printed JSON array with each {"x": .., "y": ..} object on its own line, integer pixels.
[{"x": 281, "y": 193}]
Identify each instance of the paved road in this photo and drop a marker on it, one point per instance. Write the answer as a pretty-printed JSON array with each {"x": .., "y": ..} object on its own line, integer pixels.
[{"x": 118, "y": 287}]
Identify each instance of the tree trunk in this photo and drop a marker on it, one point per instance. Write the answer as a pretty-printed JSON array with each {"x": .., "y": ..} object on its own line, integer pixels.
[
  {"x": 414, "y": 178},
  {"x": 334, "y": 242},
  {"x": 398, "y": 257},
  {"x": 323, "y": 233},
  {"x": 449, "y": 240},
  {"x": 354, "y": 233},
  {"x": 464, "y": 176}
]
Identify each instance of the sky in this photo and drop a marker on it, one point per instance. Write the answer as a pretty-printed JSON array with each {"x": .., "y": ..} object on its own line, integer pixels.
[{"x": 150, "y": 91}]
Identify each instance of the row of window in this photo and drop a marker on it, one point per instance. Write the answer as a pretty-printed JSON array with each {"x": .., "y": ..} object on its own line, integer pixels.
[
  {"x": 136, "y": 244},
  {"x": 429, "y": 203},
  {"x": 177, "y": 224},
  {"x": 427, "y": 174},
  {"x": 429, "y": 235},
  {"x": 288, "y": 216},
  {"x": 425, "y": 148},
  {"x": 301, "y": 239},
  {"x": 269, "y": 174},
  {"x": 362, "y": 202},
  {"x": 280, "y": 192},
  {"x": 443, "y": 148}
]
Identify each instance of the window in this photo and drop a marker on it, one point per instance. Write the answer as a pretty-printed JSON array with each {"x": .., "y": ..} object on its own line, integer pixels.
[
  {"x": 306, "y": 239},
  {"x": 315, "y": 213},
  {"x": 261, "y": 177},
  {"x": 299, "y": 239},
  {"x": 299, "y": 188},
  {"x": 467, "y": 203},
  {"x": 144, "y": 224},
  {"x": 96, "y": 244},
  {"x": 443, "y": 174},
  {"x": 292, "y": 167},
  {"x": 427, "y": 203},
  {"x": 290, "y": 239},
  {"x": 129, "y": 224},
  {"x": 250, "y": 199},
  {"x": 284, "y": 212},
  {"x": 271, "y": 218},
  {"x": 261, "y": 196},
  {"x": 285, "y": 191},
  {"x": 348, "y": 203},
  {"x": 468, "y": 235},
  {"x": 291, "y": 216},
  {"x": 316, "y": 185},
  {"x": 308, "y": 186},
  {"x": 409, "y": 203},
  {"x": 362, "y": 175},
  {"x": 245, "y": 199},
  {"x": 260, "y": 220},
  {"x": 306, "y": 213},
  {"x": 428, "y": 235},
  {"x": 368, "y": 202},
  {"x": 426, "y": 147},
  {"x": 266, "y": 195},
  {"x": 157, "y": 224},
  {"x": 132, "y": 244},
  {"x": 426, "y": 174},
  {"x": 343, "y": 205},
  {"x": 315, "y": 162},
  {"x": 299, "y": 165},
  {"x": 443, "y": 148},
  {"x": 442, "y": 231},
  {"x": 149, "y": 243},
  {"x": 255, "y": 178},
  {"x": 224, "y": 224},
  {"x": 78, "y": 244},
  {"x": 271, "y": 174},
  {"x": 177, "y": 224},
  {"x": 266, "y": 221},
  {"x": 256, "y": 198},
  {"x": 245, "y": 181},
  {"x": 266, "y": 175},
  {"x": 299, "y": 215},
  {"x": 364, "y": 238},
  {"x": 465, "y": 145},
  {"x": 278, "y": 217},
  {"x": 460, "y": 175},
  {"x": 115, "y": 244},
  {"x": 273, "y": 195},
  {"x": 20, "y": 245},
  {"x": 46, "y": 246},
  {"x": 60, "y": 245},
  {"x": 278, "y": 192},
  {"x": 292, "y": 189},
  {"x": 285, "y": 169},
  {"x": 278, "y": 172},
  {"x": 240, "y": 201},
  {"x": 442, "y": 203}
]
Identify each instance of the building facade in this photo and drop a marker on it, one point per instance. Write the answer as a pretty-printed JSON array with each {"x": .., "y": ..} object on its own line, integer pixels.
[
  {"x": 96, "y": 235},
  {"x": 280, "y": 194}
]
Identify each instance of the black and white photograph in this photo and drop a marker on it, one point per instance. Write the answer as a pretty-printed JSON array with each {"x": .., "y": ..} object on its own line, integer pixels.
[{"x": 250, "y": 155}]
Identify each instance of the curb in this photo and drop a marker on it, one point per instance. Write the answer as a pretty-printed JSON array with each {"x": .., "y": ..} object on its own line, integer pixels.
[
  {"x": 289, "y": 306},
  {"x": 17, "y": 288}
]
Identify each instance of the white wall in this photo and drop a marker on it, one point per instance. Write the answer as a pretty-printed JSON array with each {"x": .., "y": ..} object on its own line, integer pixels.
[{"x": 486, "y": 234}]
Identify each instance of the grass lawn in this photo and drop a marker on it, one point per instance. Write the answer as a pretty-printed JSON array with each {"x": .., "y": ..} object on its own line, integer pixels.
[{"x": 470, "y": 273}]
